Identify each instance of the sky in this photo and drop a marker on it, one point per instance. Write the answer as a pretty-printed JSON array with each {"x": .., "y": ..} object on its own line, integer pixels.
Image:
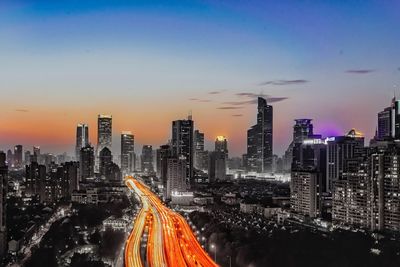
[{"x": 150, "y": 62}]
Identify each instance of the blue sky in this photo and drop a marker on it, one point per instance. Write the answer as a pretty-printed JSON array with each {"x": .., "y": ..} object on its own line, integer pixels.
[{"x": 149, "y": 62}]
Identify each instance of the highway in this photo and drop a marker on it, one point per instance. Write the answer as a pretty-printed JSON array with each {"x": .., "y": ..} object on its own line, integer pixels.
[{"x": 170, "y": 241}]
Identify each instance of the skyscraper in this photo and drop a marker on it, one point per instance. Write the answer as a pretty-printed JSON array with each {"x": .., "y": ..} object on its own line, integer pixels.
[
  {"x": 3, "y": 205},
  {"x": 86, "y": 162},
  {"x": 221, "y": 145},
  {"x": 105, "y": 158},
  {"x": 82, "y": 138},
  {"x": 340, "y": 151},
  {"x": 18, "y": 156},
  {"x": 302, "y": 130},
  {"x": 176, "y": 175},
  {"x": 182, "y": 145},
  {"x": 217, "y": 166},
  {"x": 260, "y": 139},
  {"x": 147, "y": 159},
  {"x": 200, "y": 160},
  {"x": 163, "y": 154},
  {"x": 104, "y": 132},
  {"x": 127, "y": 151},
  {"x": 389, "y": 122},
  {"x": 36, "y": 180}
]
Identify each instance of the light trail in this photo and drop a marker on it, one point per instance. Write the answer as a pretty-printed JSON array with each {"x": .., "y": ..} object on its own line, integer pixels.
[{"x": 171, "y": 241}]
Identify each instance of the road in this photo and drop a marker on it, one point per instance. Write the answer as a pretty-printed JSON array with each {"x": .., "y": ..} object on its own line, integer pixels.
[{"x": 170, "y": 242}]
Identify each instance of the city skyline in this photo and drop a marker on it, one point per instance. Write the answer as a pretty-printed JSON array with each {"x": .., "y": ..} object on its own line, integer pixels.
[{"x": 72, "y": 65}]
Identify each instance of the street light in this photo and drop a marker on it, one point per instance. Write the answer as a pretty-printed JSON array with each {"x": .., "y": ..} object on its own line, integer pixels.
[{"x": 214, "y": 247}]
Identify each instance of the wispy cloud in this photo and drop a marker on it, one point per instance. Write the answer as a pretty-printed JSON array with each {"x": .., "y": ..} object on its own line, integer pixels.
[
  {"x": 237, "y": 115},
  {"x": 239, "y": 103},
  {"x": 253, "y": 97},
  {"x": 229, "y": 108},
  {"x": 284, "y": 82},
  {"x": 360, "y": 71},
  {"x": 22, "y": 110},
  {"x": 200, "y": 100},
  {"x": 276, "y": 99},
  {"x": 215, "y": 92}
]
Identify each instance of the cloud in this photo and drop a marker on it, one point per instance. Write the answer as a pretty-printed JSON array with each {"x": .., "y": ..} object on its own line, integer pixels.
[
  {"x": 237, "y": 115},
  {"x": 276, "y": 99},
  {"x": 284, "y": 82},
  {"x": 239, "y": 103},
  {"x": 214, "y": 92},
  {"x": 228, "y": 108},
  {"x": 199, "y": 100},
  {"x": 360, "y": 71},
  {"x": 253, "y": 97},
  {"x": 22, "y": 110}
]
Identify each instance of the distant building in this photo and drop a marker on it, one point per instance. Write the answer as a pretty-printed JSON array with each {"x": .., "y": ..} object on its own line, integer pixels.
[
  {"x": 35, "y": 175},
  {"x": 82, "y": 138},
  {"x": 182, "y": 145},
  {"x": 163, "y": 154},
  {"x": 104, "y": 132},
  {"x": 217, "y": 166},
  {"x": 18, "y": 156},
  {"x": 3, "y": 203},
  {"x": 260, "y": 140},
  {"x": 147, "y": 159},
  {"x": 176, "y": 176},
  {"x": 200, "y": 161},
  {"x": 127, "y": 152},
  {"x": 389, "y": 122},
  {"x": 86, "y": 162}
]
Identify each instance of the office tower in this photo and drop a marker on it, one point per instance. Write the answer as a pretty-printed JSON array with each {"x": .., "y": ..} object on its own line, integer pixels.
[
  {"x": 259, "y": 139},
  {"x": 104, "y": 132},
  {"x": 70, "y": 175},
  {"x": 221, "y": 145},
  {"x": 340, "y": 151},
  {"x": 86, "y": 162},
  {"x": 82, "y": 138},
  {"x": 176, "y": 175},
  {"x": 127, "y": 152},
  {"x": 36, "y": 180},
  {"x": 105, "y": 159},
  {"x": 10, "y": 158},
  {"x": 18, "y": 156},
  {"x": 308, "y": 176},
  {"x": 36, "y": 154},
  {"x": 351, "y": 198},
  {"x": 27, "y": 157},
  {"x": 3, "y": 204},
  {"x": 182, "y": 145},
  {"x": 389, "y": 122},
  {"x": 217, "y": 166},
  {"x": 147, "y": 159},
  {"x": 302, "y": 129},
  {"x": 198, "y": 161}
]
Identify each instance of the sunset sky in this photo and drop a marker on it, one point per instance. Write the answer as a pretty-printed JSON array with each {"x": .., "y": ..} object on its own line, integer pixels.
[{"x": 150, "y": 62}]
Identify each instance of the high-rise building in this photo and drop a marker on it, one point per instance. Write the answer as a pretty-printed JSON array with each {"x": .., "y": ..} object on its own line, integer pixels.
[
  {"x": 82, "y": 138},
  {"x": 106, "y": 163},
  {"x": 308, "y": 176},
  {"x": 200, "y": 159},
  {"x": 182, "y": 145},
  {"x": 340, "y": 151},
  {"x": 10, "y": 158},
  {"x": 176, "y": 176},
  {"x": 389, "y": 122},
  {"x": 18, "y": 156},
  {"x": 302, "y": 129},
  {"x": 127, "y": 152},
  {"x": 147, "y": 159},
  {"x": 27, "y": 157},
  {"x": 260, "y": 139},
  {"x": 3, "y": 203},
  {"x": 36, "y": 157},
  {"x": 36, "y": 180},
  {"x": 86, "y": 162},
  {"x": 217, "y": 166},
  {"x": 221, "y": 145},
  {"x": 104, "y": 132}
]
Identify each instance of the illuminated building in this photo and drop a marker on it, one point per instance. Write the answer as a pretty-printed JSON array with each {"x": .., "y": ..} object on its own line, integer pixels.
[
  {"x": 176, "y": 176},
  {"x": 182, "y": 144},
  {"x": 3, "y": 204},
  {"x": 147, "y": 159},
  {"x": 340, "y": 151},
  {"x": 82, "y": 138},
  {"x": 86, "y": 162},
  {"x": 260, "y": 140},
  {"x": 104, "y": 132},
  {"x": 127, "y": 152},
  {"x": 36, "y": 180},
  {"x": 18, "y": 156}
]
